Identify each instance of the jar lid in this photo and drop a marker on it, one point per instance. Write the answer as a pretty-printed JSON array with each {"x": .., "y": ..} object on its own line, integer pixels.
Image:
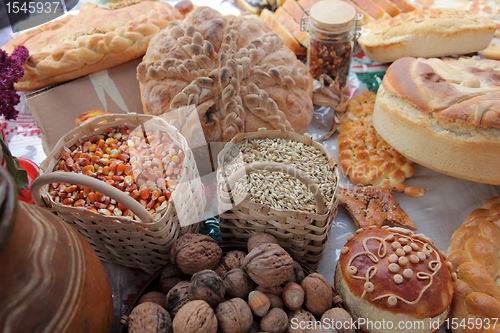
[{"x": 332, "y": 13}]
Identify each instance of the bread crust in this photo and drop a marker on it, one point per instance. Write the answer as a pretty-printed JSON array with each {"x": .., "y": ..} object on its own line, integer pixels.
[
  {"x": 373, "y": 9},
  {"x": 389, "y": 7},
  {"x": 404, "y": 5},
  {"x": 377, "y": 282},
  {"x": 428, "y": 111},
  {"x": 426, "y": 33},
  {"x": 238, "y": 77},
  {"x": 275, "y": 25},
  {"x": 365, "y": 157},
  {"x": 95, "y": 39},
  {"x": 294, "y": 9},
  {"x": 294, "y": 27},
  {"x": 474, "y": 254}
]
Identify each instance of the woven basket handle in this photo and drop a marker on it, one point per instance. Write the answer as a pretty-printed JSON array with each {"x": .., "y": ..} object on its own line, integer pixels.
[
  {"x": 294, "y": 172},
  {"x": 95, "y": 184}
]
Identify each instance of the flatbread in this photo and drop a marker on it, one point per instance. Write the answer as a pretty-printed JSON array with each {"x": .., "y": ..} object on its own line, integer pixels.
[{"x": 95, "y": 39}]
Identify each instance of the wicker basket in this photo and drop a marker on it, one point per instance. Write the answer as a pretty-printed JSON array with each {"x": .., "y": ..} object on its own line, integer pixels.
[
  {"x": 142, "y": 244},
  {"x": 304, "y": 235}
]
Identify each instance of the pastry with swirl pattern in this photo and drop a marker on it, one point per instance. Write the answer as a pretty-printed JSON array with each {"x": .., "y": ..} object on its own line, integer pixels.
[
  {"x": 365, "y": 157},
  {"x": 394, "y": 276}
]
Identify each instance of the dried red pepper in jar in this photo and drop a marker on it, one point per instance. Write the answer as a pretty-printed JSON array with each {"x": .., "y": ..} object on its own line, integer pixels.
[{"x": 332, "y": 28}]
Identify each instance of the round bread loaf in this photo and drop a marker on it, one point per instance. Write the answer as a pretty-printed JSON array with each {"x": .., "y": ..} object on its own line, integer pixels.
[
  {"x": 474, "y": 254},
  {"x": 392, "y": 280},
  {"x": 224, "y": 75},
  {"x": 443, "y": 114}
]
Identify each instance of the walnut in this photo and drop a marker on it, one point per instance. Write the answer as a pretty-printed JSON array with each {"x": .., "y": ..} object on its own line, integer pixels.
[
  {"x": 195, "y": 317},
  {"x": 268, "y": 265},
  {"x": 334, "y": 317},
  {"x": 318, "y": 293},
  {"x": 255, "y": 328},
  {"x": 299, "y": 316},
  {"x": 260, "y": 238},
  {"x": 177, "y": 297},
  {"x": 275, "y": 321},
  {"x": 156, "y": 297},
  {"x": 298, "y": 274},
  {"x": 234, "y": 316},
  {"x": 275, "y": 290},
  {"x": 170, "y": 276},
  {"x": 168, "y": 283},
  {"x": 231, "y": 260},
  {"x": 207, "y": 286},
  {"x": 149, "y": 317},
  {"x": 276, "y": 301},
  {"x": 237, "y": 283},
  {"x": 195, "y": 252}
]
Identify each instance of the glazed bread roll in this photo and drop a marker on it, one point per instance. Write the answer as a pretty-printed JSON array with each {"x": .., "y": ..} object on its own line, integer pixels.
[
  {"x": 443, "y": 114},
  {"x": 394, "y": 276},
  {"x": 426, "y": 33},
  {"x": 474, "y": 253}
]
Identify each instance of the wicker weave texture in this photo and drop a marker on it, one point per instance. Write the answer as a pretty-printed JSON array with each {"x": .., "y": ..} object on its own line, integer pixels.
[
  {"x": 120, "y": 240},
  {"x": 304, "y": 235}
]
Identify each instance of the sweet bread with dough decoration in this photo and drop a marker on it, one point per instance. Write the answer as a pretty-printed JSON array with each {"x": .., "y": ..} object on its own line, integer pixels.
[{"x": 393, "y": 275}]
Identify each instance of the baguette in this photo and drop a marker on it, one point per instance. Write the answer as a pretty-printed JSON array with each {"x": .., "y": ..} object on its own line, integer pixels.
[
  {"x": 275, "y": 25},
  {"x": 426, "y": 33},
  {"x": 294, "y": 27}
]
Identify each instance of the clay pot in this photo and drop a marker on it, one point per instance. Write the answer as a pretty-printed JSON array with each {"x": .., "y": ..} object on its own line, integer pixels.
[{"x": 51, "y": 280}]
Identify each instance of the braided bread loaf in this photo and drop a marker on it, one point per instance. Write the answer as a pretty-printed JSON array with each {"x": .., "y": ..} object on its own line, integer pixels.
[
  {"x": 474, "y": 253},
  {"x": 239, "y": 77},
  {"x": 95, "y": 39}
]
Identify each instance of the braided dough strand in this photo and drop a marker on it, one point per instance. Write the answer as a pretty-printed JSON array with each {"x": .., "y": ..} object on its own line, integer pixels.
[
  {"x": 243, "y": 76},
  {"x": 475, "y": 255},
  {"x": 365, "y": 157}
]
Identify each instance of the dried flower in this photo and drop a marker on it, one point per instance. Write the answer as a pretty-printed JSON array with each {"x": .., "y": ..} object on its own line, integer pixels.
[{"x": 11, "y": 70}]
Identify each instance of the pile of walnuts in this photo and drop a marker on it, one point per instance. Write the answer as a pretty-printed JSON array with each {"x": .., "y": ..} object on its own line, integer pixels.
[{"x": 203, "y": 290}]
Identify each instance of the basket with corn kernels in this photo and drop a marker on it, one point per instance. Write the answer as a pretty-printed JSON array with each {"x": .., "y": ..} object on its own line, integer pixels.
[{"x": 128, "y": 183}]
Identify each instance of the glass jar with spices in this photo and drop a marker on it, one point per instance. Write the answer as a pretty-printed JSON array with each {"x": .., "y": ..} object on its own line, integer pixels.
[{"x": 332, "y": 28}]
